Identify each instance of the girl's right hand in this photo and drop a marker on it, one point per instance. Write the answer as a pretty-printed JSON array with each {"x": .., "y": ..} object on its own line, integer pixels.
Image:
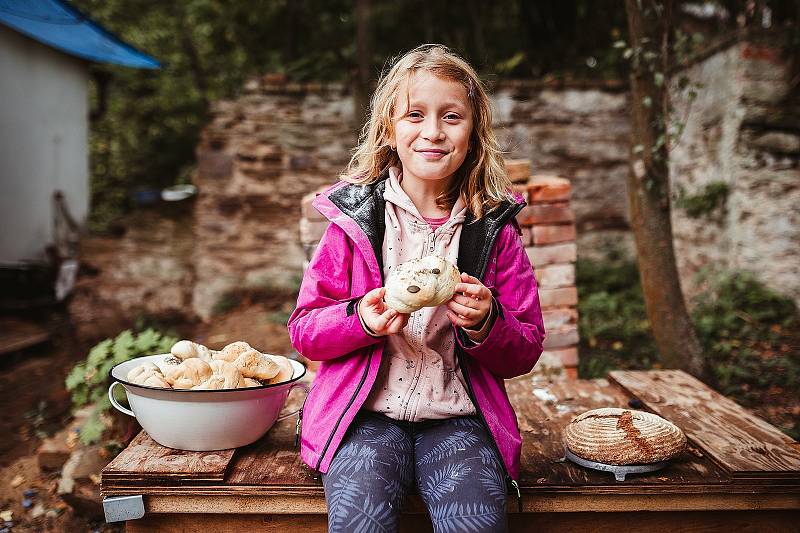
[{"x": 378, "y": 317}]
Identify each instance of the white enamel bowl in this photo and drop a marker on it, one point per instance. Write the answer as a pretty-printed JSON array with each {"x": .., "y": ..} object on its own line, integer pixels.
[{"x": 204, "y": 420}]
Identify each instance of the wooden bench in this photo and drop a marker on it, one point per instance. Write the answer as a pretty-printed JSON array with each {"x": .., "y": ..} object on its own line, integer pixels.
[{"x": 739, "y": 473}]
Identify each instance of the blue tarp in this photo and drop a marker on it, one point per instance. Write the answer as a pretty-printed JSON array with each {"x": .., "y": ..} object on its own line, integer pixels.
[{"x": 57, "y": 24}]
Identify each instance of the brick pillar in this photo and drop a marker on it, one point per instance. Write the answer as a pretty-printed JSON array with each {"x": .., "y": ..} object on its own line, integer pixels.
[{"x": 548, "y": 232}]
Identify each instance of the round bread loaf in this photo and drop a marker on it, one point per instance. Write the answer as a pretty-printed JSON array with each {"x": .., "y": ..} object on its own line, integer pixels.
[
  {"x": 616, "y": 436},
  {"x": 425, "y": 282}
]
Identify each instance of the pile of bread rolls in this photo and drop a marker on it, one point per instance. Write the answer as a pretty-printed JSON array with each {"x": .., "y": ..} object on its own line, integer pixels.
[{"x": 193, "y": 366}]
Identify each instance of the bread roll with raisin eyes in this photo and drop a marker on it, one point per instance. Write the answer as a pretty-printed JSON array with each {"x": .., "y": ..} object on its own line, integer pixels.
[{"x": 426, "y": 282}]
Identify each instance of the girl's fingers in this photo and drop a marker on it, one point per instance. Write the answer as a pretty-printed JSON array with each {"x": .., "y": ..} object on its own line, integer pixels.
[
  {"x": 374, "y": 296},
  {"x": 462, "y": 310},
  {"x": 383, "y": 319}
]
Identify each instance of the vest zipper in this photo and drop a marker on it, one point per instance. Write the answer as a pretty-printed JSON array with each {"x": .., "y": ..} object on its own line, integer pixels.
[
  {"x": 508, "y": 479},
  {"x": 347, "y": 407}
]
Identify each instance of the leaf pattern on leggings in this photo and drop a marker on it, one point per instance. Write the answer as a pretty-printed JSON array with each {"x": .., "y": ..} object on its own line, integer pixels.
[
  {"x": 355, "y": 457},
  {"x": 370, "y": 516},
  {"x": 392, "y": 437},
  {"x": 487, "y": 455},
  {"x": 343, "y": 495},
  {"x": 443, "y": 481},
  {"x": 449, "y": 446},
  {"x": 493, "y": 482},
  {"x": 458, "y": 518}
]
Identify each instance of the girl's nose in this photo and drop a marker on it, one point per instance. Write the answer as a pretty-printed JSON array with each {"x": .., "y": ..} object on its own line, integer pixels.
[{"x": 432, "y": 130}]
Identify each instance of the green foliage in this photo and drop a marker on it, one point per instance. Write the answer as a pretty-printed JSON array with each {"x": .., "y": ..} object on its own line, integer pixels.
[
  {"x": 750, "y": 333},
  {"x": 613, "y": 323},
  {"x": 88, "y": 380},
  {"x": 712, "y": 199}
]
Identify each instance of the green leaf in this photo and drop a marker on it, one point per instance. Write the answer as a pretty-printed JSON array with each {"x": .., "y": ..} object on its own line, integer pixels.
[
  {"x": 93, "y": 429},
  {"x": 658, "y": 78}
]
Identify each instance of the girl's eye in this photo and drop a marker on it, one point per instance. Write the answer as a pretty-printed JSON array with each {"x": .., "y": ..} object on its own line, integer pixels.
[
  {"x": 415, "y": 114},
  {"x": 452, "y": 116}
]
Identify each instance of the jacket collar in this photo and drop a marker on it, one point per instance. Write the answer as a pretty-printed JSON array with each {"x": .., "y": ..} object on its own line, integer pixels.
[{"x": 365, "y": 204}]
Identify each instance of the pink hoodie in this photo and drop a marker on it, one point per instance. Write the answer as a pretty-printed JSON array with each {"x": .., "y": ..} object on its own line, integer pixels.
[{"x": 324, "y": 326}]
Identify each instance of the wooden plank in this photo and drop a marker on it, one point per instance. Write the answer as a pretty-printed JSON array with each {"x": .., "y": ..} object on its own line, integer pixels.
[
  {"x": 146, "y": 461},
  {"x": 743, "y": 444},
  {"x": 545, "y": 408},
  {"x": 273, "y": 459},
  {"x": 18, "y": 334},
  {"x": 638, "y": 522}
]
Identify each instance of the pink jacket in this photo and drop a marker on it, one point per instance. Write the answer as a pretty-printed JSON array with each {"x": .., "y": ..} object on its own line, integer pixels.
[{"x": 347, "y": 264}]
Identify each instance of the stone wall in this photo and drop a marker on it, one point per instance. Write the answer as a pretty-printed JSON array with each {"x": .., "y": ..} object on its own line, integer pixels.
[
  {"x": 263, "y": 151},
  {"x": 742, "y": 130}
]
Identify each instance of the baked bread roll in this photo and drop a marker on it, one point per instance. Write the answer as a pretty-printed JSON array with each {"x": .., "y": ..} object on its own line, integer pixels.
[
  {"x": 250, "y": 382},
  {"x": 286, "y": 370},
  {"x": 215, "y": 382},
  {"x": 232, "y": 378},
  {"x": 147, "y": 374},
  {"x": 232, "y": 351},
  {"x": 189, "y": 373},
  {"x": 615, "y": 436},
  {"x": 425, "y": 282},
  {"x": 254, "y": 364}
]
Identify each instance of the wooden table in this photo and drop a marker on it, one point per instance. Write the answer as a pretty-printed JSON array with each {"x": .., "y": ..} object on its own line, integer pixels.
[{"x": 738, "y": 474}]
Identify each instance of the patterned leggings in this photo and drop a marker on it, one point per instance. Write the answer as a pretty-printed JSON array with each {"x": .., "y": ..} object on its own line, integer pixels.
[{"x": 451, "y": 461}]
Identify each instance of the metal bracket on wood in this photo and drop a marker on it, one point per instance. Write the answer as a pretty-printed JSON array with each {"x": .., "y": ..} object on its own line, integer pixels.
[{"x": 121, "y": 508}]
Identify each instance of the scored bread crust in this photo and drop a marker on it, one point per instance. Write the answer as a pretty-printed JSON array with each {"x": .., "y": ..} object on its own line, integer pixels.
[{"x": 616, "y": 436}]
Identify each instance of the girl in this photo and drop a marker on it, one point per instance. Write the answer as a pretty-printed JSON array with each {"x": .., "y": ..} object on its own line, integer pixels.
[{"x": 418, "y": 400}]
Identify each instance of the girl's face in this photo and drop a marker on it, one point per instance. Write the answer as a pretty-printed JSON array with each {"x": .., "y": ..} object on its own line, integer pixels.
[{"x": 432, "y": 127}]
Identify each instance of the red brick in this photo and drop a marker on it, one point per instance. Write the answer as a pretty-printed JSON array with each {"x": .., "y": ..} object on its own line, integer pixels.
[
  {"x": 519, "y": 170},
  {"x": 544, "y": 188},
  {"x": 527, "y": 236},
  {"x": 312, "y": 231},
  {"x": 521, "y": 189},
  {"x": 309, "y": 211},
  {"x": 563, "y": 297},
  {"x": 560, "y": 317},
  {"x": 560, "y": 338},
  {"x": 545, "y": 214},
  {"x": 553, "y": 276},
  {"x": 552, "y": 253},
  {"x": 571, "y": 372},
  {"x": 568, "y": 356},
  {"x": 547, "y": 234}
]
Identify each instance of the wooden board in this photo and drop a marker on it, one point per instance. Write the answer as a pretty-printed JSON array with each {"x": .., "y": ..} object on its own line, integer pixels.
[
  {"x": 18, "y": 334},
  {"x": 145, "y": 461},
  {"x": 746, "y": 446},
  {"x": 544, "y": 409}
]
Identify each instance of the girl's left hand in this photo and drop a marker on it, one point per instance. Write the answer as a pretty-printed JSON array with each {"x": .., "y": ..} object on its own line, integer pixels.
[{"x": 471, "y": 302}]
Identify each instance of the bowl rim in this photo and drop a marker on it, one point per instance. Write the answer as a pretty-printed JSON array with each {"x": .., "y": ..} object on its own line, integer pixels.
[{"x": 206, "y": 391}]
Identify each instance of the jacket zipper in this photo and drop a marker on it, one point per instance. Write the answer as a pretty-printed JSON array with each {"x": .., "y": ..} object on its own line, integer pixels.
[
  {"x": 352, "y": 399},
  {"x": 508, "y": 479},
  {"x": 298, "y": 424}
]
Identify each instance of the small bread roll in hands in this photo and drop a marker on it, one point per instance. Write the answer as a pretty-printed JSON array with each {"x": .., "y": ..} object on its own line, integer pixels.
[
  {"x": 425, "y": 282},
  {"x": 193, "y": 366}
]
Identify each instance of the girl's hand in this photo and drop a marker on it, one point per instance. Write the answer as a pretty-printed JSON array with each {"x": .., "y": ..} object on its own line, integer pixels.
[
  {"x": 471, "y": 303},
  {"x": 378, "y": 317}
]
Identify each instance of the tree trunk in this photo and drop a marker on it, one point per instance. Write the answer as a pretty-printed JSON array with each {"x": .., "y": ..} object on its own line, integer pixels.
[{"x": 649, "y": 191}]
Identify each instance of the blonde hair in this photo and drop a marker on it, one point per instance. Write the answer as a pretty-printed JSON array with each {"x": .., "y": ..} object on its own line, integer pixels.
[{"x": 481, "y": 178}]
